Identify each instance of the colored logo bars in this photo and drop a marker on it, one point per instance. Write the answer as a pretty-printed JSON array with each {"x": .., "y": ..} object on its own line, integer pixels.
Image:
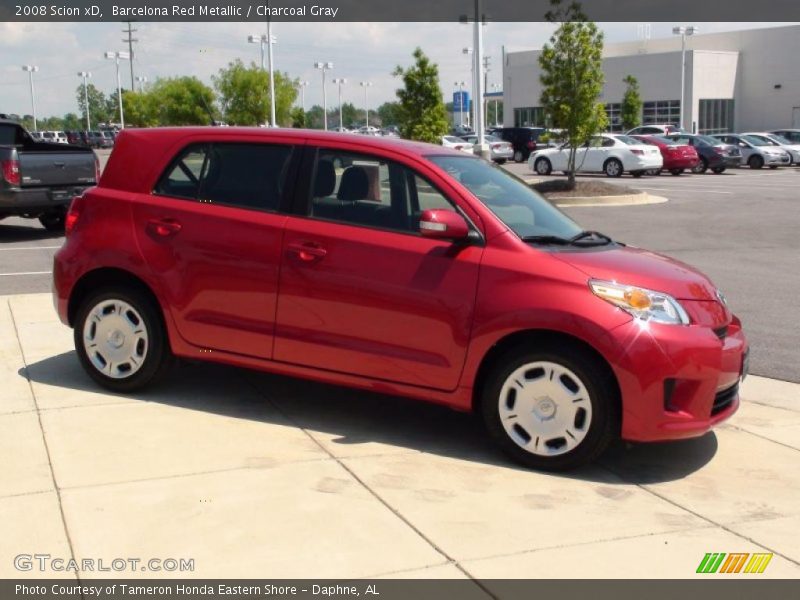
[{"x": 736, "y": 562}]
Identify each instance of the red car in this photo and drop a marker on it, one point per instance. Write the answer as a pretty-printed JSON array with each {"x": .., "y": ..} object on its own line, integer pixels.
[
  {"x": 677, "y": 157},
  {"x": 391, "y": 266}
]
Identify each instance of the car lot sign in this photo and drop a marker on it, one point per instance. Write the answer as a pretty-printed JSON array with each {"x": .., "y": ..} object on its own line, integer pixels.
[{"x": 461, "y": 101}]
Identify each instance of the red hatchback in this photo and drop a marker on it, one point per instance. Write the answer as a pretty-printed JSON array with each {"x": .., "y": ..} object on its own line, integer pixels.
[
  {"x": 393, "y": 266},
  {"x": 677, "y": 157}
]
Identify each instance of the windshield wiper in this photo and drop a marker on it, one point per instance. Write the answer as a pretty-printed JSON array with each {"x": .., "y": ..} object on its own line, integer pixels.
[{"x": 584, "y": 238}]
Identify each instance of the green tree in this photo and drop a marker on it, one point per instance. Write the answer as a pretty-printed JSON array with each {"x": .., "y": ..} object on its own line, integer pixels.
[
  {"x": 98, "y": 104},
  {"x": 631, "y": 108},
  {"x": 389, "y": 113},
  {"x": 314, "y": 117},
  {"x": 298, "y": 118},
  {"x": 244, "y": 94},
  {"x": 351, "y": 116},
  {"x": 182, "y": 101},
  {"x": 572, "y": 78},
  {"x": 421, "y": 115},
  {"x": 72, "y": 122}
]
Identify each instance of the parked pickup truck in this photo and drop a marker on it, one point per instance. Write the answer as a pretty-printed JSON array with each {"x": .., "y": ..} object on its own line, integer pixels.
[{"x": 39, "y": 179}]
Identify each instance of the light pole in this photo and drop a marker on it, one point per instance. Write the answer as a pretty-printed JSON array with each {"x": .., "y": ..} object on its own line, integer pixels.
[
  {"x": 366, "y": 85},
  {"x": 31, "y": 69},
  {"x": 116, "y": 56},
  {"x": 683, "y": 32},
  {"x": 496, "y": 88},
  {"x": 324, "y": 66},
  {"x": 478, "y": 22},
  {"x": 302, "y": 85},
  {"x": 470, "y": 114},
  {"x": 340, "y": 82},
  {"x": 267, "y": 40},
  {"x": 141, "y": 79},
  {"x": 460, "y": 85},
  {"x": 86, "y": 75}
]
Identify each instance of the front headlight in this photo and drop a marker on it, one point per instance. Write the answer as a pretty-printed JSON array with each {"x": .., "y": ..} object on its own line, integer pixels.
[{"x": 642, "y": 303}]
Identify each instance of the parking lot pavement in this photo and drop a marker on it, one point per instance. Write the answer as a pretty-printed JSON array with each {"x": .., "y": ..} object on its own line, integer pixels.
[{"x": 255, "y": 475}]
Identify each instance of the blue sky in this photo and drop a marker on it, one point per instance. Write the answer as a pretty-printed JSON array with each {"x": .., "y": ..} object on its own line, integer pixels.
[{"x": 359, "y": 51}]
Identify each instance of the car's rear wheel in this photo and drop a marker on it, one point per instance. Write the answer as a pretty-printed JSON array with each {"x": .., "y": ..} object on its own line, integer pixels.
[
  {"x": 120, "y": 339},
  {"x": 518, "y": 157},
  {"x": 773, "y": 166},
  {"x": 755, "y": 162},
  {"x": 676, "y": 172},
  {"x": 551, "y": 409},
  {"x": 613, "y": 168},
  {"x": 718, "y": 170},
  {"x": 53, "y": 221},
  {"x": 637, "y": 173},
  {"x": 700, "y": 167},
  {"x": 542, "y": 166},
  {"x": 500, "y": 161}
]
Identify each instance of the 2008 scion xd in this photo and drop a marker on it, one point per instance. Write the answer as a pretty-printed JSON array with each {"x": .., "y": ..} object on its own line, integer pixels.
[{"x": 394, "y": 266}]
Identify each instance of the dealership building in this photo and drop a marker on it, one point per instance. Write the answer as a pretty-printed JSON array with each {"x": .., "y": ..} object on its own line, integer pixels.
[{"x": 734, "y": 81}]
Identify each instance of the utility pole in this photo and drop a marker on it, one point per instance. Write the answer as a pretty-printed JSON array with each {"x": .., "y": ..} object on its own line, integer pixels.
[
  {"x": 340, "y": 82},
  {"x": 366, "y": 85},
  {"x": 31, "y": 69},
  {"x": 324, "y": 66},
  {"x": 130, "y": 41},
  {"x": 86, "y": 75},
  {"x": 683, "y": 32}
]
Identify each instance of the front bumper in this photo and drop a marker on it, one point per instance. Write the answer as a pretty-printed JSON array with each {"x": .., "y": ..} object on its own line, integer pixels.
[
  {"x": 771, "y": 159},
  {"x": 678, "y": 382}
]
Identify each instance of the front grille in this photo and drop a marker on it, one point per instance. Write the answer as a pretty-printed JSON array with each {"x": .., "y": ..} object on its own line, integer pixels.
[
  {"x": 721, "y": 332},
  {"x": 724, "y": 399}
]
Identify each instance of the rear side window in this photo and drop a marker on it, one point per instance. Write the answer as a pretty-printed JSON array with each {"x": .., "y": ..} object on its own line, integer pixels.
[{"x": 243, "y": 175}]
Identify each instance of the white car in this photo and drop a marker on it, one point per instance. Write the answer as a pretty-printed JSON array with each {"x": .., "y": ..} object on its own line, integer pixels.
[
  {"x": 456, "y": 143},
  {"x": 501, "y": 151},
  {"x": 773, "y": 139},
  {"x": 612, "y": 154},
  {"x": 364, "y": 130},
  {"x": 54, "y": 137}
]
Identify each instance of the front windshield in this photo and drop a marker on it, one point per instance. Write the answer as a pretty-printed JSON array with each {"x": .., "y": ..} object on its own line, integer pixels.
[
  {"x": 514, "y": 202},
  {"x": 757, "y": 141}
]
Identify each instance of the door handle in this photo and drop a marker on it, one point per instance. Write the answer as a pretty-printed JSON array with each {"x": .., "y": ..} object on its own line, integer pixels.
[
  {"x": 163, "y": 228},
  {"x": 308, "y": 251}
]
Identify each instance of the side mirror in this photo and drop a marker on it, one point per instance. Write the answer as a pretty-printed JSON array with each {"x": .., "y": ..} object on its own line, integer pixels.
[
  {"x": 443, "y": 225},
  {"x": 742, "y": 145}
]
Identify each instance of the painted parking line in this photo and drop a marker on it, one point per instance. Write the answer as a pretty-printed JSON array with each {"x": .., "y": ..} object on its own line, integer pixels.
[
  {"x": 699, "y": 190},
  {"x": 26, "y": 273},
  {"x": 30, "y": 248}
]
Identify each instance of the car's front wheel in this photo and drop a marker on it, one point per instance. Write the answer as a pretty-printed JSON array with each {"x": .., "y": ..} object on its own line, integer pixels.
[
  {"x": 700, "y": 167},
  {"x": 755, "y": 162},
  {"x": 542, "y": 166},
  {"x": 120, "y": 339},
  {"x": 550, "y": 409}
]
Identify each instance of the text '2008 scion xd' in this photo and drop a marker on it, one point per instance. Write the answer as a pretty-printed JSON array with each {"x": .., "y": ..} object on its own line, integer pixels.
[{"x": 393, "y": 266}]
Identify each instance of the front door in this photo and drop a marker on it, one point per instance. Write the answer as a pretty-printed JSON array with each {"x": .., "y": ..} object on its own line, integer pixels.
[
  {"x": 361, "y": 292},
  {"x": 211, "y": 233}
]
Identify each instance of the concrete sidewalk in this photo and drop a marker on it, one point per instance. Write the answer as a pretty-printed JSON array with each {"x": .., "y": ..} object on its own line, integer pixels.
[{"x": 253, "y": 475}]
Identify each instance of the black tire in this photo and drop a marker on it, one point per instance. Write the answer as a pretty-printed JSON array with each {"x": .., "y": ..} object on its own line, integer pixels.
[
  {"x": 53, "y": 221},
  {"x": 676, "y": 172},
  {"x": 542, "y": 166},
  {"x": 613, "y": 168},
  {"x": 637, "y": 174},
  {"x": 500, "y": 161},
  {"x": 773, "y": 166},
  {"x": 599, "y": 384},
  {"x": 701, "y": 166},
  {"x": 518, "y": 156},
  {"x": 755, "y": 162},
  {"x": 718, "y": 170},
  {"x": 158, "y": 357}
]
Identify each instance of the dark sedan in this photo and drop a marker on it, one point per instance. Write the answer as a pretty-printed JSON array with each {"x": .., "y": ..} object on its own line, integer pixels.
[{"x": 714, "y": 154}]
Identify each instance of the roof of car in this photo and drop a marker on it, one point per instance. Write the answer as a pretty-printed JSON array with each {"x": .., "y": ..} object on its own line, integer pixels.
[{"x": 172, "y": 134}]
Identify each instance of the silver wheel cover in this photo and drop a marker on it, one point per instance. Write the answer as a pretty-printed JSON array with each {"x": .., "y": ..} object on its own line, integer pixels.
[
  {"x": 115, "y": 338},
  {"x": 545, "y": 408}
]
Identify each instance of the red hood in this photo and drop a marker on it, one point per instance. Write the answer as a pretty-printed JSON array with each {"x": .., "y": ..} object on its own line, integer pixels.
[{"x": 634, "y": 266}]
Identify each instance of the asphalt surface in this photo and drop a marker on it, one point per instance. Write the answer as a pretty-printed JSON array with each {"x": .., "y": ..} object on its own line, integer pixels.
[{"x": 741, "y": 228}]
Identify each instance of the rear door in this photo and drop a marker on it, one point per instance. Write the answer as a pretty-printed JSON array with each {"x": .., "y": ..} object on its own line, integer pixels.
[
  {"x": 211, "y": 233},
  {"x": 361, "y": 292}
]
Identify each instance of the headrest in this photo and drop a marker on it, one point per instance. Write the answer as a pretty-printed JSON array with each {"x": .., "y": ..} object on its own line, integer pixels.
[{"x": 354, "y": 185}]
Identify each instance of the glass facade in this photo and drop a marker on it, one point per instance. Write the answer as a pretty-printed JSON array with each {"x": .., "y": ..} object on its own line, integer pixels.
[
  {"x": 614, "y": 114},
  {"x": 531, "y": 116},
  {"x": 661, "y": 112},
  {"x": 715, "y": 116}
]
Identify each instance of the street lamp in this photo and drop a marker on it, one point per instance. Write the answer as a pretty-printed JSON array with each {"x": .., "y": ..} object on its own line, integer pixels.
[
  {"x": 86, "y": 75},
  {"x": 302, "y": 85},
  {"x": 340, "y": 82},
  {"x": 366, "y": 85},
  {"x": 267, "y": 40},
  {"x": 478, "y": 21},
  {"x": 31, "y": 69},
  {"x": 116, "y": 56},
  {"x": 495, "y": 89},
  {"x": 683, "y": 32},
  {"x": 324, "y": 66},
  {"x": 460, "y": 85},
  {"x": 468, "y": 52},
  {"x": 141, "y": 79}
]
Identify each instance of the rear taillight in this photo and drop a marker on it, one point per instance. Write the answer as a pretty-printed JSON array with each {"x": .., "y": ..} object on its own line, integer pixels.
[
  {"x": 96, "y": 170},
  {"x": 639, "y": 152},
  {"x": 11, "y": 172},
  {"x": 496, "y": 146},
  {"x": 72, "y": 214},
  {"x": 532, "y": 145}
]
